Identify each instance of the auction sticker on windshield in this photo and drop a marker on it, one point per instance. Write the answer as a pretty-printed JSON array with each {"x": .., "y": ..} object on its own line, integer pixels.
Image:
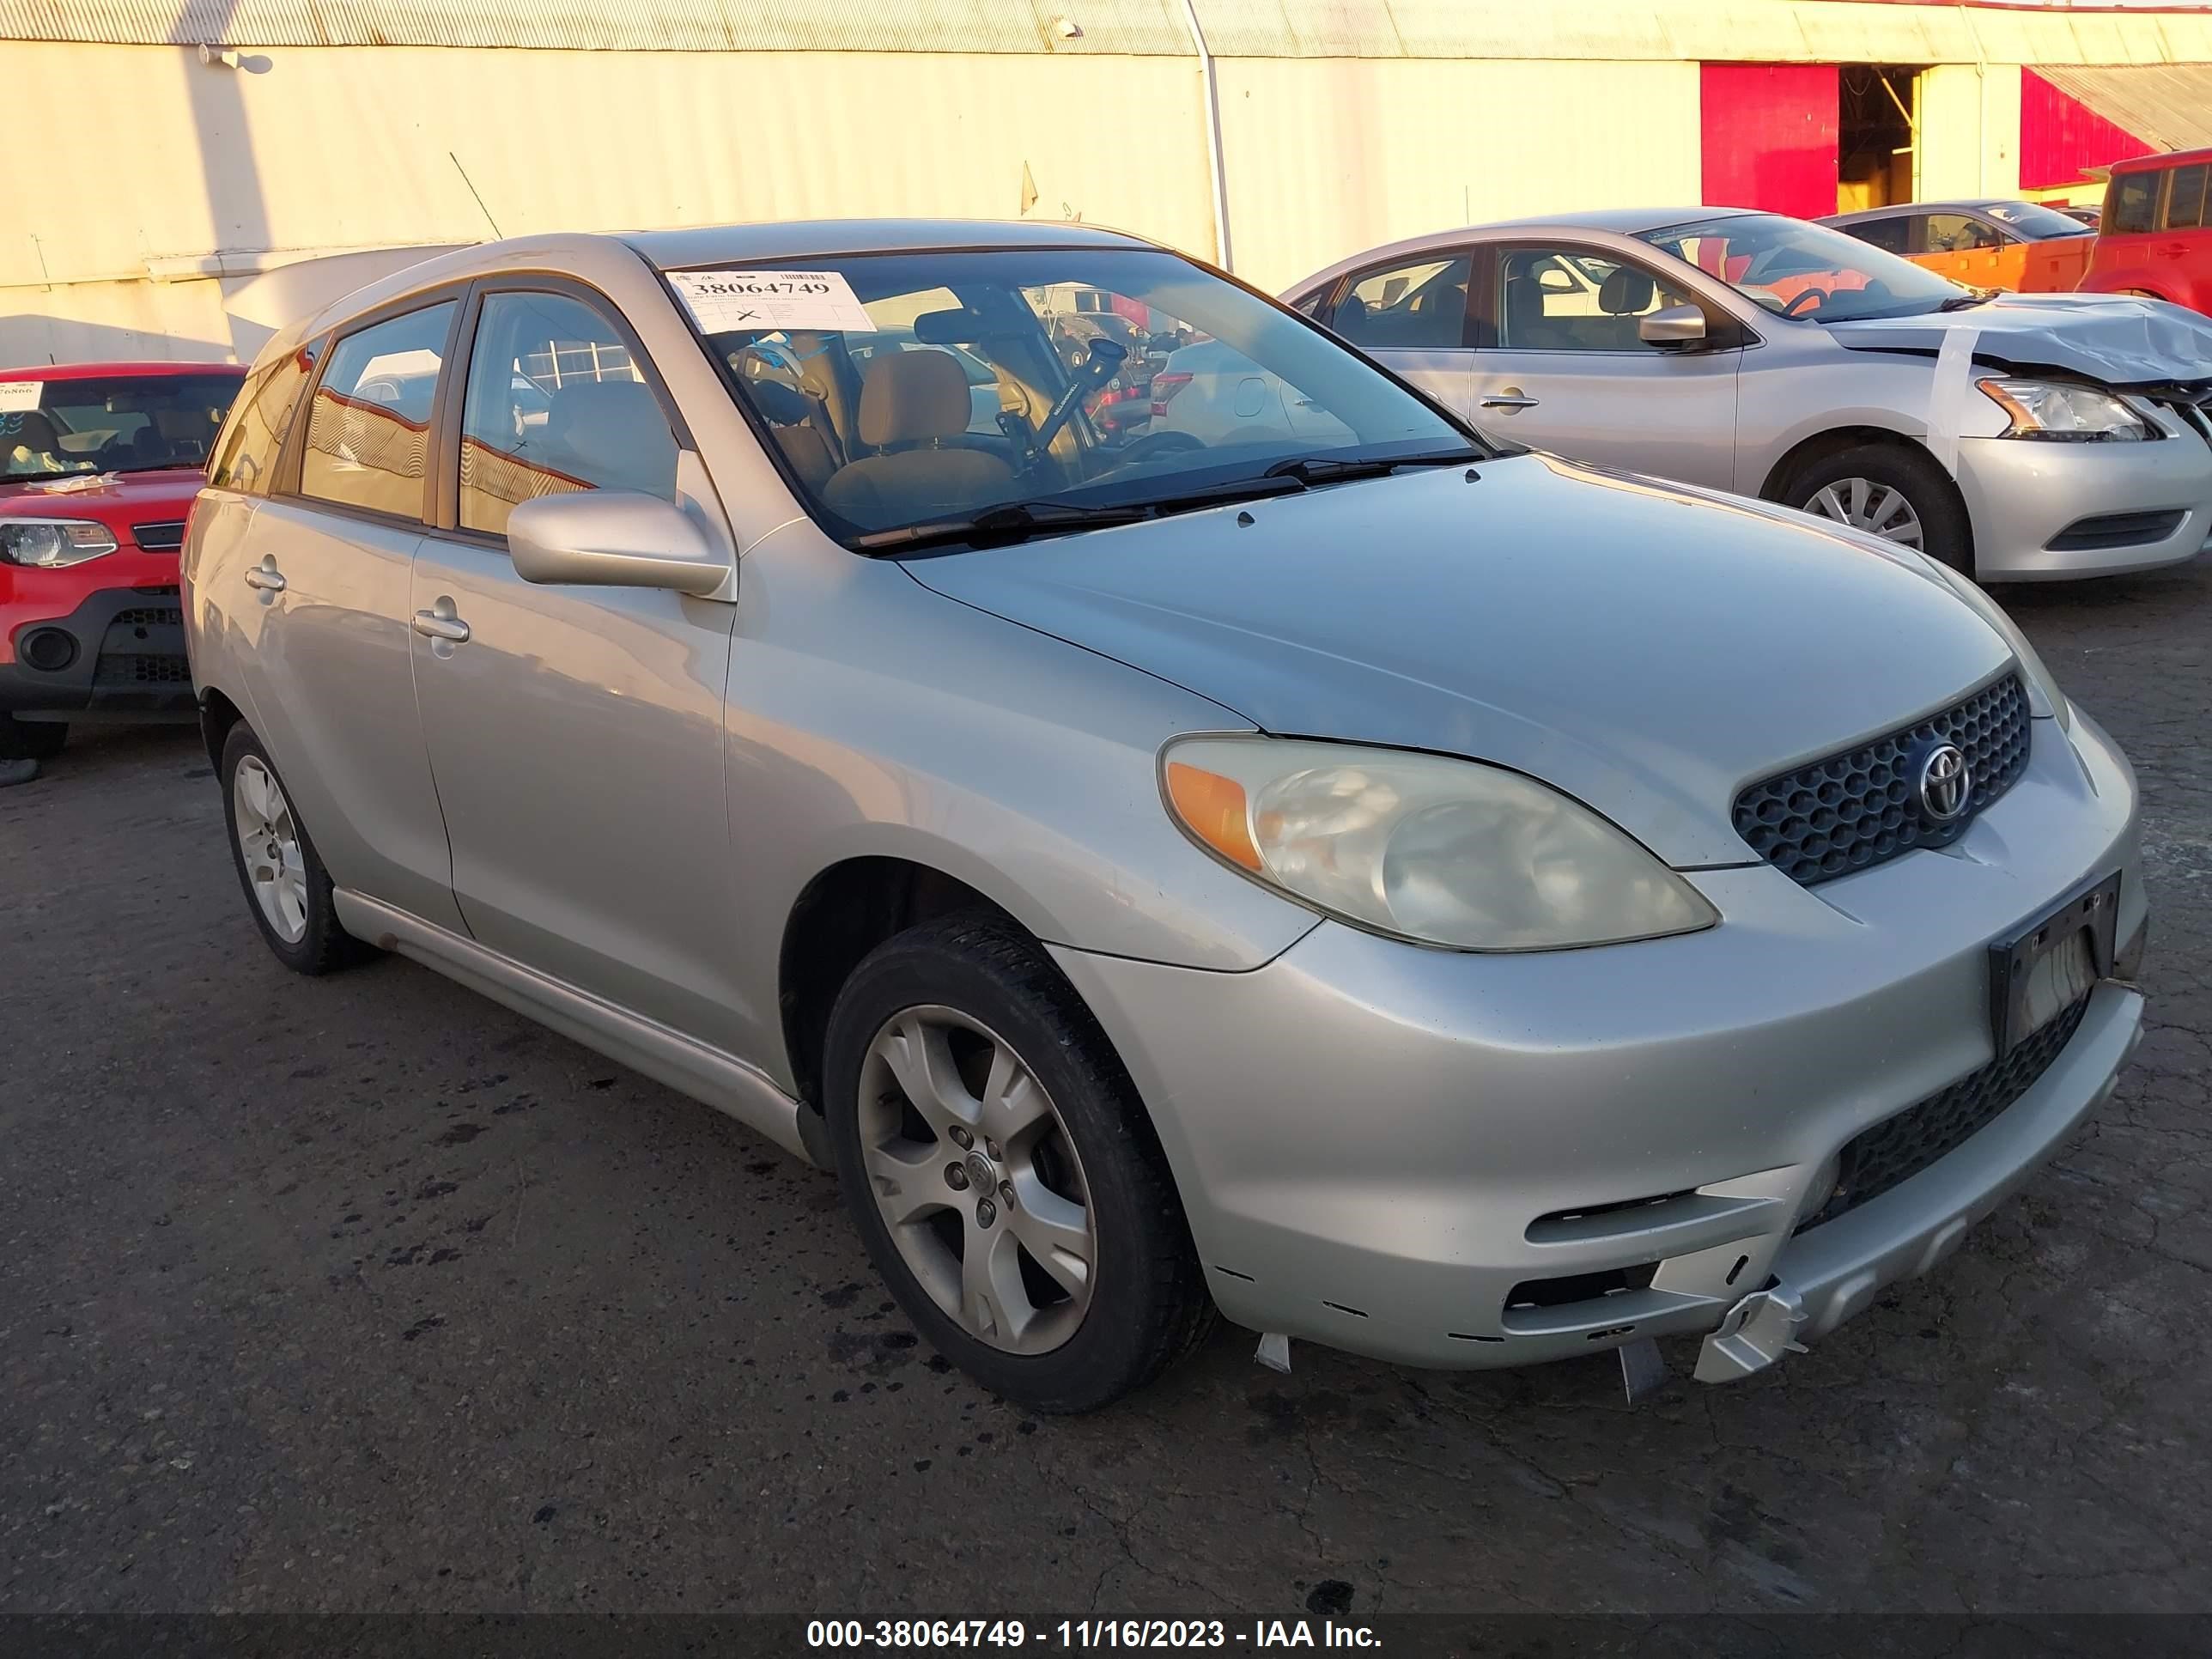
[
  {"x": 17, "y": 395},
  {"x": 720, "y": 302}
]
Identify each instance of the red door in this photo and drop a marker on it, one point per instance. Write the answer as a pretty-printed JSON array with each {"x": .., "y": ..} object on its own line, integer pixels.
[{"x": 1769, "y": 136}]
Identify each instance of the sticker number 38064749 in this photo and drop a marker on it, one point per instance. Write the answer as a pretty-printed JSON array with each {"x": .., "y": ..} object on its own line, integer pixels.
[{"x": 720, "y": 302}]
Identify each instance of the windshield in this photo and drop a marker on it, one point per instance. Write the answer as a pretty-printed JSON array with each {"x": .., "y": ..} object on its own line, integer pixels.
[
  {"x": 2034, "y": 220},
  {"x": 1804, "y": 270},
  {"x": 122, "y": 424},
  {"x": 911, "y": 390}
]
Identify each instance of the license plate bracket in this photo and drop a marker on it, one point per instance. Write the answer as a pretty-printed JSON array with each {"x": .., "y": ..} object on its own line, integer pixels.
[{"x": 2037, "y": 974}]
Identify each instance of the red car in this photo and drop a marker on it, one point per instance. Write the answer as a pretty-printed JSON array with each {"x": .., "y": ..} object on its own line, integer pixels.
[
  {"x": 2155, "y": 236},
  {"x": 99, "y": 463}
]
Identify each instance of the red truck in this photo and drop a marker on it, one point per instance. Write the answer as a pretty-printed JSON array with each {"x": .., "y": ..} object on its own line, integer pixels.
[
  {"x": 2155, "y": 234},
  {"x": 99, "y": 465}
]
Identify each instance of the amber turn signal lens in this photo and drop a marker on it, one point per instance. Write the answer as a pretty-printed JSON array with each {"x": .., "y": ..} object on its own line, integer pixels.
[{"x": 1213, "y": 809}]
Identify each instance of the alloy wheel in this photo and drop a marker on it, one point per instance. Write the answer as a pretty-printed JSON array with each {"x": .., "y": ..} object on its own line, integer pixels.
[
  {"x": 1876, "y": 508},
  {"x": 976, "y": 1180},
  {"x": 268, "y": 841}
]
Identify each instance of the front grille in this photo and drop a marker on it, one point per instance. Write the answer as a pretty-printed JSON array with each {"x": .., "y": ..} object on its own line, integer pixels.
[
  {"x": 141, "y": 668},
  {"x": 1858, "y": 809},
  {"x": 161, "y": 536},
  {"x": 1899, "y": 1148}
]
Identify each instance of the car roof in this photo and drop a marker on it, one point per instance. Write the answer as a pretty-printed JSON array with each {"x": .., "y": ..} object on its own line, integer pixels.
[
  {"x": 1949, "y": 204},
  {"x": 1618, "y": 222},
  {"x": 114, "y": 371},
  {"x": 2162, "y": 158},
  {"x": 674, "y": 250}
]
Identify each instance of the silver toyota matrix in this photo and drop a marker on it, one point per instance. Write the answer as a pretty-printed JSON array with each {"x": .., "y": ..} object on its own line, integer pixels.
[{"x": 1437, "y": 900}]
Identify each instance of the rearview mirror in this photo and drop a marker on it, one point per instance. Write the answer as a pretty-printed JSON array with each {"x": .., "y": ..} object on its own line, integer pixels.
[
  {"x": 1672, "y": 325},
  {"x": 612, "y": 538}
]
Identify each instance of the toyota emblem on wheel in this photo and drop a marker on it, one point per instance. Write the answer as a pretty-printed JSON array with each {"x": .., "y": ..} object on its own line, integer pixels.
[{"x": 1945, "y": 783}]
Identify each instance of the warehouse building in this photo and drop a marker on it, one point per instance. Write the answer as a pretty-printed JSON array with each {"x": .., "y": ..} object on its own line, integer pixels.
[{"x": 171, "y": 157}]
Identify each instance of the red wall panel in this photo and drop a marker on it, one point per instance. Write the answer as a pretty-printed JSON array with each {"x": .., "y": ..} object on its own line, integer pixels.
[
  {"x": 1769, "y": 132},
  {"x": 2061, "y": 137}
]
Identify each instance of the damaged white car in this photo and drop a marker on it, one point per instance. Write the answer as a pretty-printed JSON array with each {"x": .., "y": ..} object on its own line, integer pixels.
[{"x": 2016, "y": 437}]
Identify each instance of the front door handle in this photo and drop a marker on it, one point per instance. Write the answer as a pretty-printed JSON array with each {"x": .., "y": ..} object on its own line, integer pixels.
[
  {"x": 266, "y": 576},
  {"x": 1511, "y": 398},
  {"x": 441, "y": 624}
]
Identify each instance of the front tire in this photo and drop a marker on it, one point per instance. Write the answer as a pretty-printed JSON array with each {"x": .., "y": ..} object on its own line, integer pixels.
[
  {"x": 286, "y": 888},
  {"x": 30, "y": 740},
  {"x": 1898, "y": 494},
  {"x": 1001, "y": 1170}
]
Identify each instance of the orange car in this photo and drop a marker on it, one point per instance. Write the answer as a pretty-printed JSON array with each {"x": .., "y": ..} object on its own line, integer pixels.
[{"x": 2010, "y": 244}]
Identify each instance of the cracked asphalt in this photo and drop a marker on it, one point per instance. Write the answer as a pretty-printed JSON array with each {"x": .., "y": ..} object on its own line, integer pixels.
[{"x": 366, "y": 1294}]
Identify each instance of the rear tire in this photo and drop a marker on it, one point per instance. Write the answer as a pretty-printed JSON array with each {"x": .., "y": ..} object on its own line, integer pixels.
[
  {"x": 1880, "y": 489},
  {"x": 287, "y": 888},
  {"x": 33, "y": 740},
  {"x": 1067, "y": 1172}
]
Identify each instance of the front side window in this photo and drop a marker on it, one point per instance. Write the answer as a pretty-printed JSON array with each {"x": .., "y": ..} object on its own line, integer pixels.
[
  {"x": 118, "y": 423},
  {"x": 1954, "y": 233},
  {"x": 368, "y": 423},
  {"x": 1566, "y": 299},
  {"x": 903, "y": 390},
  {"x": 1415, "y": 306},
  {"x": 2131, "y": 202},
  {"x": 1807, "y": 271},
  {"x": 2184, "y": 198},
  {"x": 556, "y": 404},
  {"x": 246, "y": 456}
]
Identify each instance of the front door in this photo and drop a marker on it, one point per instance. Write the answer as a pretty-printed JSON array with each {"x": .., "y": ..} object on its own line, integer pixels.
[
  {"x": 1563, "y": 368},
  {"x": 326, "y": 640},
  {"x": 576, "y": 732}
]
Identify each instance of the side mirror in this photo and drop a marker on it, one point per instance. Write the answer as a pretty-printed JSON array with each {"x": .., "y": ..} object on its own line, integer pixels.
[
  {"x": 1672, "y": 325},
  {"x": 612, "y": 538}
]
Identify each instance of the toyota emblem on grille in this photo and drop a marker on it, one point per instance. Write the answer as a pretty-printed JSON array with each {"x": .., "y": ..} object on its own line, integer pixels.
[{"x": 1945, "y": 785}]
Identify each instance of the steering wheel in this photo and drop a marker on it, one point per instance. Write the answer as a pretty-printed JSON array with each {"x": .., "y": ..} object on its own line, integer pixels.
[
  {"x": 1134, "y": 454},
  {"x": 1819, "y": 296}
]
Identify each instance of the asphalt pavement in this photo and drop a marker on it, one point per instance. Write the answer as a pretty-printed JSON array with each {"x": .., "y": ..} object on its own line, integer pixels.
[{"x": 365, "y": 1294}]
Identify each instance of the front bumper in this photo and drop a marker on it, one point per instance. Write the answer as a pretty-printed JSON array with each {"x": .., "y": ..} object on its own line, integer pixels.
[
  {"x": 2023, "y": 495},
  {"x": 1382, "y": 1148},
  {"x": 119, "y": 655}
]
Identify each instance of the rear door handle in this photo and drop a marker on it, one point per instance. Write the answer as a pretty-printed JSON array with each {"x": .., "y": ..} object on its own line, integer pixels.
[
  {"x": 265, "y": 576},
  {"x": 440, "y": 627}
]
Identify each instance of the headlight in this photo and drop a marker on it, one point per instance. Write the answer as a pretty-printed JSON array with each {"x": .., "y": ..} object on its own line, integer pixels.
[
  {"x": 1436, "y": 851},
  {"x": 2071, "y": 414},
  {"x": 2045, "y": 699},
  {"x": 50, "y": 543}
]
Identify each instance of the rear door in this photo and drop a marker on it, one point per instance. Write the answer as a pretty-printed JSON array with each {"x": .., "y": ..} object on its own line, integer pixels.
[
  {"x": 1412, "y": 315},
  {"x": 2128, "y": 233},
  {"x": 1561, "y": 366},
  {"x": 575, "y": 734},
  {"x": 322, "y": 608},
  {"x": 2181, "y": 255}
]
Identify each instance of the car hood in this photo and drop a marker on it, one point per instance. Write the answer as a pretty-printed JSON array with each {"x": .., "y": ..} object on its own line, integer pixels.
[
  {"x": 133, "y": 496},
  {"x": 2113, "y": 338},
  {"x": 1645, "y": 648}
]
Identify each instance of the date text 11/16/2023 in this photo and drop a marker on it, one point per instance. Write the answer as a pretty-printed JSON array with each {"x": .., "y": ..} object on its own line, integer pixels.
[{"x": 1083, "y": 1633}]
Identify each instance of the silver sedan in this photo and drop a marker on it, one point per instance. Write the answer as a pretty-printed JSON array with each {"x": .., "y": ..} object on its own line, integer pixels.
[
  {"x": 2017, "y": 437},
  {"x": 1462, "y": 907}
]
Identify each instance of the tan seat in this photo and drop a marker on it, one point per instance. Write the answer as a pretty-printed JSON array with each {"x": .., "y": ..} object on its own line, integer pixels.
[{"x": 910, "y": 403}]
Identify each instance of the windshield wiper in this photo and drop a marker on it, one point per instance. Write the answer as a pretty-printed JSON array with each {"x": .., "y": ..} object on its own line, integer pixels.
[
  {"x": 1980, "y": 296},
  {"x": 1010, "y": 521},
  {"x": 1322, "y": 469}
]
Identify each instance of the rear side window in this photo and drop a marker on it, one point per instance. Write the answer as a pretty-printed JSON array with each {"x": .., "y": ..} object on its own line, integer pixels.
[
  {"x": 1888, "y": 234},
  {"x": 2184, "y": 198},
  {"x": 245, "y": 454},
  {"x": 2129, "y": 207},
  {"x": 368, "y": 423},
  {"x": 1407, "y": 307},
  {"x": 555, "y": 405}
]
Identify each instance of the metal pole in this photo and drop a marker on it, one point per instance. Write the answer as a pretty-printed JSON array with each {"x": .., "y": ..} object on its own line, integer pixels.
[{"x": 1212, "y": 85}]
